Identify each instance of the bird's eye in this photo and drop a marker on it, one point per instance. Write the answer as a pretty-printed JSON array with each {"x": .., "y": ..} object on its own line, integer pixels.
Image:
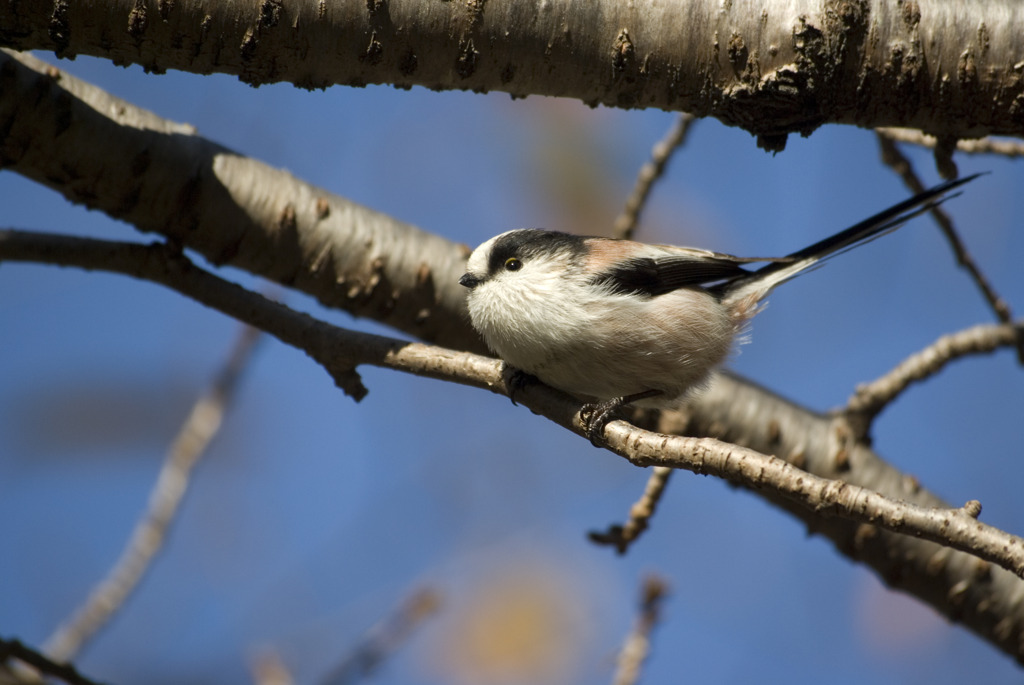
[{"x": 513, "y": 264}]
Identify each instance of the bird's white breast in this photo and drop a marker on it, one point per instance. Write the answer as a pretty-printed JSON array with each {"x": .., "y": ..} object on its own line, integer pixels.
[{"x": 599, "y": 345}]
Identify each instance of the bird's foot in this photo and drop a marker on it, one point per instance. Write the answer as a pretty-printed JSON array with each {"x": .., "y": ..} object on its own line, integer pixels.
[{"x": 596, "y": 416}]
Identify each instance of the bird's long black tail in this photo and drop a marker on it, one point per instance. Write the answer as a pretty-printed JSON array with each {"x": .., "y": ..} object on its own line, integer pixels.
[{"x": 759, "y": 283}]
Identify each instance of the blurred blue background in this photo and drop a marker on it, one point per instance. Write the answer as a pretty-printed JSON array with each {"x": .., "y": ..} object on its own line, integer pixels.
[{"x": 312, "y": 518}]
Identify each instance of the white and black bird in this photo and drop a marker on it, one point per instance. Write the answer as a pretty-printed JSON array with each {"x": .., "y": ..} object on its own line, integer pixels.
[{"x": 616, "y": 321}]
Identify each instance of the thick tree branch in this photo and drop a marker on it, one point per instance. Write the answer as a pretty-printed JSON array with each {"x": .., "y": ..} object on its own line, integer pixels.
[
  {"x": 984, "y": 597},
  {"x": 946, "y": 68},
  {"x": 956, "y": 585},
  {"x": 107, "y": 154}
]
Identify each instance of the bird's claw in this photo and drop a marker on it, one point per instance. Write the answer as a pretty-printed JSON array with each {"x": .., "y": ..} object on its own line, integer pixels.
[{"x": 596, "y": 416}]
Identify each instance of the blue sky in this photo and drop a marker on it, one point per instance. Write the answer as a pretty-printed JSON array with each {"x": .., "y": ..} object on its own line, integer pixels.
[{"x": 313, "y": 517}]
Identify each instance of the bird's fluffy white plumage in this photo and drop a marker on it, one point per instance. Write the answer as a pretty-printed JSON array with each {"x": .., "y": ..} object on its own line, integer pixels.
[
  {"x": 604, "y": 319},
  {"x": 548, "y": 319}
]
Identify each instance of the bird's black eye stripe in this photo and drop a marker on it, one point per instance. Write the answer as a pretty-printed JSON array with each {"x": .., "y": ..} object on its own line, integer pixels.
[{"x": 528, "y": 243}]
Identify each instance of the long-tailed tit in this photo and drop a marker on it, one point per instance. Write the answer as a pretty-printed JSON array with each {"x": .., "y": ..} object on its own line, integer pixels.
[{"x": 616, "y": 321}]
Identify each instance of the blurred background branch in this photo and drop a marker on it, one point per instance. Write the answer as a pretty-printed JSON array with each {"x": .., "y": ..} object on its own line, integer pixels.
[
  {"x": 170, "y": 488},
  {"x": 637, "y": 646}
]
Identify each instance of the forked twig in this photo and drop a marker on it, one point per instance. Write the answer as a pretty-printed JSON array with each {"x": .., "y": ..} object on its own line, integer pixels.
[
  {"x": 150, "y": 532},
  {"x": 871, "y": 398},
  {"x": 898, "y": 162}
]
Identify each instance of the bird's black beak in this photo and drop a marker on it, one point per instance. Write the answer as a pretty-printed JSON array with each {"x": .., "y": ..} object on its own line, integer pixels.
[{"x": 469, "y": 280}]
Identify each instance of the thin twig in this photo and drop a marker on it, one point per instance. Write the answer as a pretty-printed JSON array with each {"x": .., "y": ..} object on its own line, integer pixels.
[
  {"x": 637, "y": 646},
  {"x": 955, "y": 528},
  {"x": 980, "y": 146},
  {"x": 339, "y": 351},
  {"x": 871, "y": 398},
  {"x": 44, "y": 665},
  {"x": 650, "y": 172},
  {"x": 622, "y": 536},
  {"x": 150, "y": 532},
  {"x": 384, "y": 638},
  {"x": 898, "y": 162}
]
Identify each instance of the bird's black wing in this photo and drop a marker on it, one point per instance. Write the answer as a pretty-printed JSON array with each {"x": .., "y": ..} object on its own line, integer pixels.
[{"x": 653, "y": 276}]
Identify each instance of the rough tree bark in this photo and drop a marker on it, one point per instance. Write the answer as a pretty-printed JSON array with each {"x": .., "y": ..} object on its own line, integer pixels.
[
  {"x": 955, "y": 70},
  {"x": 109, "y": 155}
]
